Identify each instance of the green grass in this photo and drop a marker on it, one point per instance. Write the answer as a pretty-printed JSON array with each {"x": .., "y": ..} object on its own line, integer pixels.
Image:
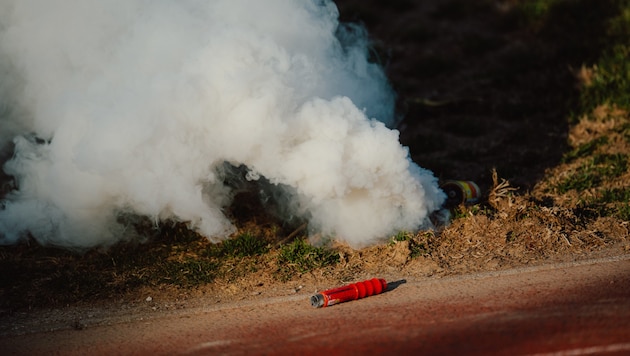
[
  {"x": 614, "y": 195},
  {"x": 401, "y": 236},
  {"x": 599, "y": 168},
  {"x": 611, "y": 80},
  {"x": 419, "y": 245},
  {"x": 585, "y": 149},
  {"x": 623, "y": 212},
  {"x": 609, "y": 202},
  {"x": 609, "y": 85},
  {"x": 245, "y": 244},
  {"x": 301, "y": 257},
  {"x": 510, "y": 236},
  {"x": 189, "y": 272}
]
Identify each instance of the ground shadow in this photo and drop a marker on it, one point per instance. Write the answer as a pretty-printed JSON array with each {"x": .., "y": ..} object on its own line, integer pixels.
[
  {"x": 483, "y": 84},
  {"x": 395, "y": 284}
]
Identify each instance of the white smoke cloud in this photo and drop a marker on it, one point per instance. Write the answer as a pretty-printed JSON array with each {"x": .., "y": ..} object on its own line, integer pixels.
[{"x": 134, "y": 106}]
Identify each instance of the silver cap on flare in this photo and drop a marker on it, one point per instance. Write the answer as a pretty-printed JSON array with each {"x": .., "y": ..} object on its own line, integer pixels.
[{"x": 317, "y": 300}]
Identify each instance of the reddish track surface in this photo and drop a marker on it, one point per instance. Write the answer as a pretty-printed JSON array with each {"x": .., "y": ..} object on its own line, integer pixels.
[{"x": 571, "y": 309}]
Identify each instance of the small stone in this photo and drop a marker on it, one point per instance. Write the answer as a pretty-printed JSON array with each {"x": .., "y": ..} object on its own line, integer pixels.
[{"x": 149, "y": 299}]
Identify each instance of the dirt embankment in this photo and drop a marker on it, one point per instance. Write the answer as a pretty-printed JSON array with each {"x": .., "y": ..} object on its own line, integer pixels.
[{"x": 479, "y": 87}]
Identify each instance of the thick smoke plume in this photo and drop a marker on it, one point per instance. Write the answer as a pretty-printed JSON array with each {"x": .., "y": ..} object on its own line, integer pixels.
[{"x": 131, "y": 106}]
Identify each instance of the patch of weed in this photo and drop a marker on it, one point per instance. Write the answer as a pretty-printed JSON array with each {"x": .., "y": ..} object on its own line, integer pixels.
[
  {"x": 510, "y": 236},
  {"x": 460, "y": 212},
  {"x": 585, "y": 149},
  {"x": 623, "y": 212},
  {"x": 419, "y": 245},
  {"x": 615, "y": 195},
  {"x": 612, "y": 202},
  {"x": 612, "y": 165},
  {"x": 620, "y": 25},
  {"x": 189, "y": 272},
  {"x": 595, "y": 171},
  {"x": 245, "y": 244},
  {"x": 580, "y": 181},
  {"x": 611, "y": 80},
  {"x": 401, "y": 236},
  {"x": 300, "y": 256}
]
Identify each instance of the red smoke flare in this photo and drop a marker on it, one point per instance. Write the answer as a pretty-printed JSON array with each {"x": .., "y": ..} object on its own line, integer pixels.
[{"x": 350, "y": 292}]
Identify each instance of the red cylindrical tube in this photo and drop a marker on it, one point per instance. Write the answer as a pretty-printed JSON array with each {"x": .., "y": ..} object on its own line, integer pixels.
[{"x": 350, "y": 292}]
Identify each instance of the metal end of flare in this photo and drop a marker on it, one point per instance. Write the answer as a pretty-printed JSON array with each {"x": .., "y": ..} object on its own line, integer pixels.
[{"x": 317, "y": 300}]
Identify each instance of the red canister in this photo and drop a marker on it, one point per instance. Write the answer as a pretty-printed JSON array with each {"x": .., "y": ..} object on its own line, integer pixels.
[{"x": 349, "y": 292}]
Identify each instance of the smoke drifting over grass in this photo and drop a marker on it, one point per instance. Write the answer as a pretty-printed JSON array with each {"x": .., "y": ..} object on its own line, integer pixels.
[{"x": 113, "y": 107}]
